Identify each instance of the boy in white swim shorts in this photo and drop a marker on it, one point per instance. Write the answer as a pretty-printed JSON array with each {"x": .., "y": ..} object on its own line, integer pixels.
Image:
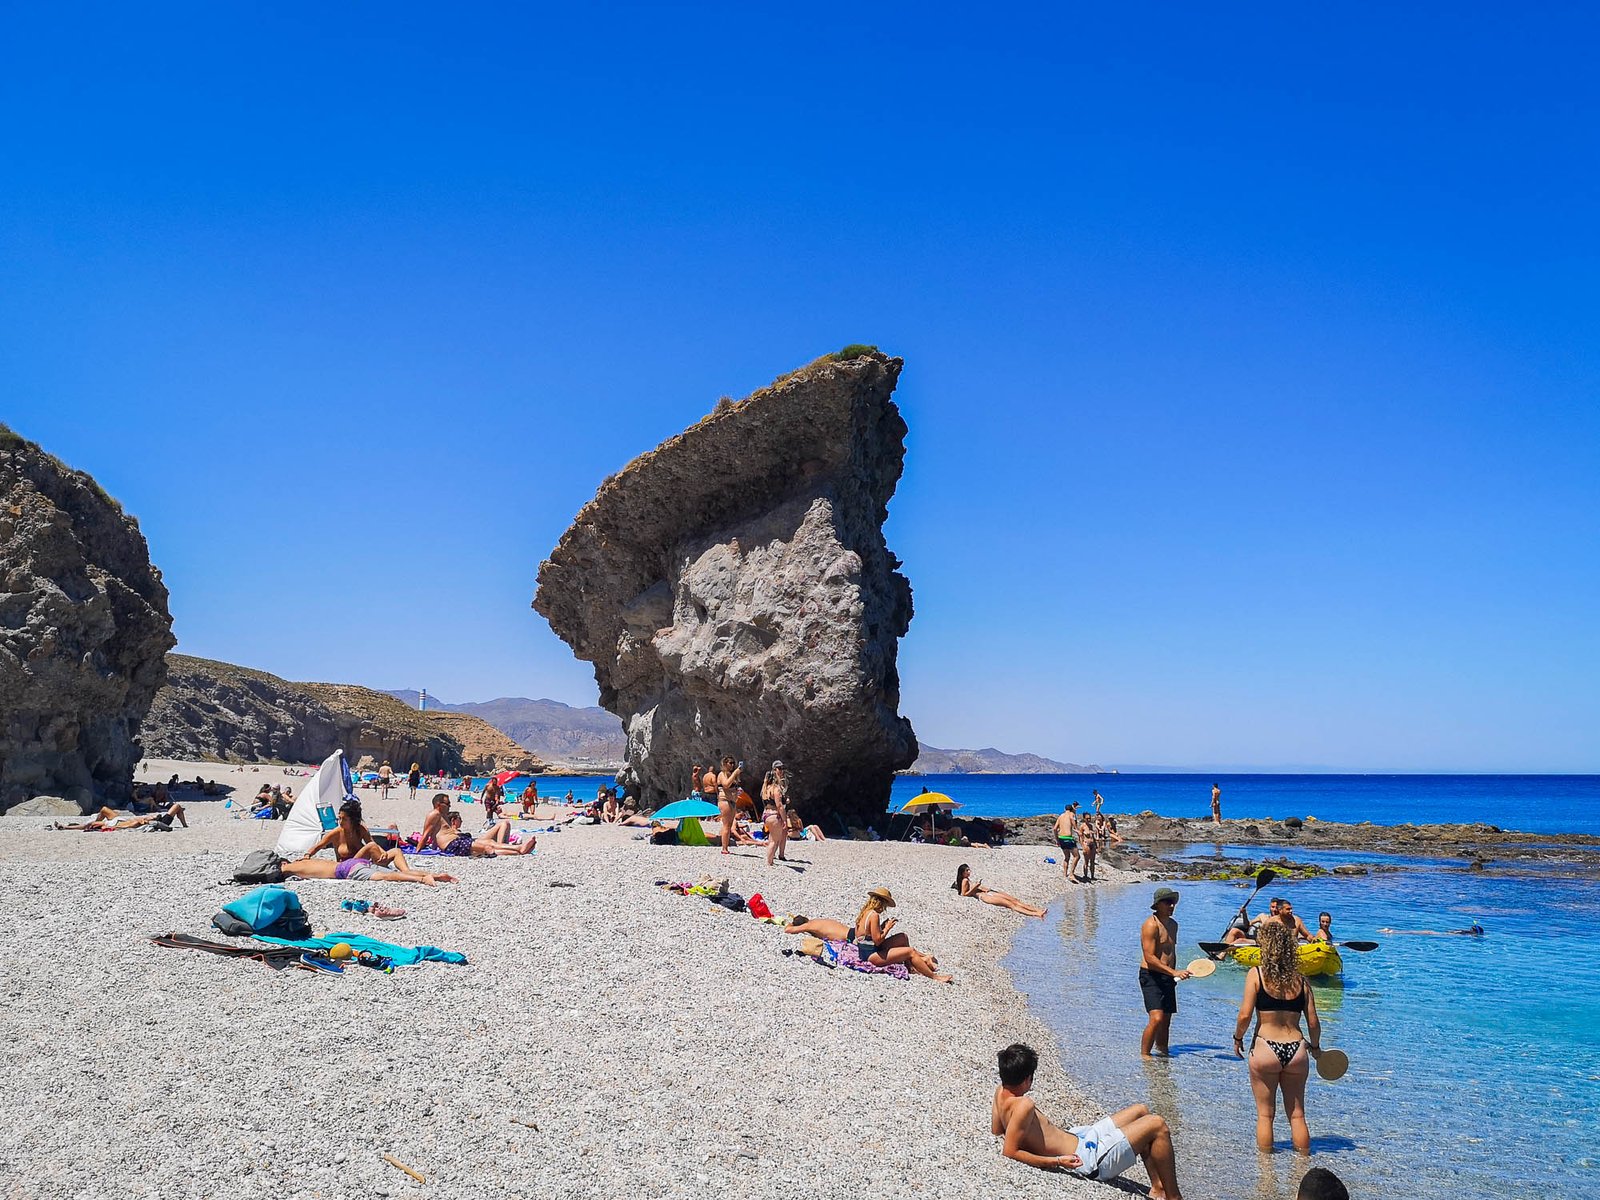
[{"x": 1103, "y": 1150}]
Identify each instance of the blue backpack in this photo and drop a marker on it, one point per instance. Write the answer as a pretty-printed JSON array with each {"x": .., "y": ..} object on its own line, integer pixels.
[{"x": 271, "y": 910}]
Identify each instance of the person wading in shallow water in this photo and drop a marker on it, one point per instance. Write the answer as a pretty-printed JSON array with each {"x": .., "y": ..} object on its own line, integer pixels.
[{"x": 1158, "y": 972}]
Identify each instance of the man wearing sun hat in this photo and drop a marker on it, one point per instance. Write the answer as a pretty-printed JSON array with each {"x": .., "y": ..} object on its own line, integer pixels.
[{"x": 1158, "y": 972}]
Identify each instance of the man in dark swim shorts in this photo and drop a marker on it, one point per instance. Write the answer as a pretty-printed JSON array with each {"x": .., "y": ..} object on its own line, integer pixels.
[
  {"x": 1158, "y": 972},
  {"x": 1067, "y": 839}
]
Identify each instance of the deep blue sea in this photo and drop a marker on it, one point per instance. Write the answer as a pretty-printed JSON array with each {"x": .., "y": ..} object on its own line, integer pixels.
[{"x": 1535, "y": 803}]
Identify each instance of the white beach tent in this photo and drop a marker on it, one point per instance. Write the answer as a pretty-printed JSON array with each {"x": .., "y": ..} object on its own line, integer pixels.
[{"x": 316, "y": 809}]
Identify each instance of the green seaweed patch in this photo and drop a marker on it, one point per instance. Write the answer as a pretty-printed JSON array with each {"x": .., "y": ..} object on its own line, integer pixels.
[{"x": 1247, "y": 872}]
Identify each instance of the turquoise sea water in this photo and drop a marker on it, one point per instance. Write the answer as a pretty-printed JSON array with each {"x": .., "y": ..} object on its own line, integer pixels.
[{"x": 1474, "y": 1071}]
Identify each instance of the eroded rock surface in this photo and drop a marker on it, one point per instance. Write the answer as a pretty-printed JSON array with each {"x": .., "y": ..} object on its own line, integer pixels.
[
  {"x": 215, "y": 710},
  {"x": 734, "y": 592},
  {"x": 483, "y": 747},
  {"x": 84, "y": 629}
]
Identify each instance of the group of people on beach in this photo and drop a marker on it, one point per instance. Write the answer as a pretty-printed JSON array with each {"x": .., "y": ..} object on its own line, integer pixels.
[
  {"x": 724, "y": 786},
  {"x": 1080, "y": 836}
]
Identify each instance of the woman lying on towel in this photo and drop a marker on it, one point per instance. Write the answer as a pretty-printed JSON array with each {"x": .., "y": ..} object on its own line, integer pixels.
[
  {"x": 109, "y": 820},
  {"x": 968, "y": 886},
  {"x": 495, "y": 842},
  {"x": 357, "y": 857},
  {"x": 877, "y": 945}
]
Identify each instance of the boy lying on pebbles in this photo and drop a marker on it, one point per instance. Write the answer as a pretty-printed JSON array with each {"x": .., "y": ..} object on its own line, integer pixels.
[{"x": 1100, "y": 1151}]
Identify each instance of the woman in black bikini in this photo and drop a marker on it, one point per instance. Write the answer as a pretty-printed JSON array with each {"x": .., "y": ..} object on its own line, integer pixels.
[
  {"x": 877, "y": 945},
  {"x": 1278, "y": 994}
]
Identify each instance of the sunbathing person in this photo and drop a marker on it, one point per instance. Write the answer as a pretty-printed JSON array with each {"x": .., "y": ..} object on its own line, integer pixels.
[
  {"x": 832, "y": 931},
  {"x": 968, "y": 886},
  {"x": 109, "y": 820},
  {"x": 360, "y": 870},
  {"x": 355, "y": 852},
  {"x": 799, "y": 829},
  {"x": 1102, "y": 1151},
  {"x": 875, "y": 942},
  {"x": 494, "y": 843},
  {"x": 431, "y": 822}
]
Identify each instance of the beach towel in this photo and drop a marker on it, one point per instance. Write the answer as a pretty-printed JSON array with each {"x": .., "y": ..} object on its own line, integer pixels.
[
  {"x": 401, "y": 956},
  {"x": 845, "y": 954},
  {"x": 690, "y": 833}
]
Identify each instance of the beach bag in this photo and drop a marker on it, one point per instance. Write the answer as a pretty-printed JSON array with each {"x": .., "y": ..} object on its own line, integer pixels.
[
  {"x": 260, "y": 866},
  {"x": 812, "y": 946},
  {"x": 758, "y": 907},
  {"x": 274, "y": 911}
]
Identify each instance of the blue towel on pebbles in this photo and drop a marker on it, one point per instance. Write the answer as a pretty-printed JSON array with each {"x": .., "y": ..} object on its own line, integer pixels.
[{"x": 401, "y": 956}]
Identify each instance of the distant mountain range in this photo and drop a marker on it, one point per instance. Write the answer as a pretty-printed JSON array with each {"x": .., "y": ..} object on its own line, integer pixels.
[
  {"x": 564, "y": 734},
  {"x": 561, "y": 733},
  {"x": 989, "y": 761}
]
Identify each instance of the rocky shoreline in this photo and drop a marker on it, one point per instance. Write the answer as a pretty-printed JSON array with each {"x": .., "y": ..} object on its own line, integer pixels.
[{"x": 1153, "y": 843}]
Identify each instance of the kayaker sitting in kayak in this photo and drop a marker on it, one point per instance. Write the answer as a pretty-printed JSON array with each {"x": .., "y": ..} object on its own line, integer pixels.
[
  {"x": 1284, "y": 911},
  {"x": 1101, "y": 1151}
]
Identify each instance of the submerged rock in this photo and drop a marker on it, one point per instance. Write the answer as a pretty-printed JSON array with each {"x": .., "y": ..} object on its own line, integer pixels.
[
  {"x": 734, "y": 592},
  {"x": 84, "y": 629}
]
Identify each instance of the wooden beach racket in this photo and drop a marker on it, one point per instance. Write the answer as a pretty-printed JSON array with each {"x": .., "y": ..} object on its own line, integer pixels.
[
  {"x": 1200, "y": 968},
  {"x": 1332, "y": 1064}
]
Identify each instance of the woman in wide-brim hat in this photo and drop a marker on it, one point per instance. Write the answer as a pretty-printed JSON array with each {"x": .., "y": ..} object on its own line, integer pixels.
[{"x": 878, "y": 946}]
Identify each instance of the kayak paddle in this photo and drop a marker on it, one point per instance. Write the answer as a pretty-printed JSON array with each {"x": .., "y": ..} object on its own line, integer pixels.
[
  {"x": 1263, "y": 877},
  {"x": 1361, "y": 947}
]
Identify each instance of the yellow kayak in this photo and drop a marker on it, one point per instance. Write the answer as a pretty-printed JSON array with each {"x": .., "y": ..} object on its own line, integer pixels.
[{"x": 1316, "y": 958}]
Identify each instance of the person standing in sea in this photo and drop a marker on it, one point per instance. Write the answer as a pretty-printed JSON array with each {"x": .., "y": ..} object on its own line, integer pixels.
[
  {"x": 1216, "y": 805},
  {"x": 1159, "y": 973}
]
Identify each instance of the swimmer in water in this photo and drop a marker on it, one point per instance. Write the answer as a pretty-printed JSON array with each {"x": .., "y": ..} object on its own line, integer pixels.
[{"x": 1473, "y": 930}]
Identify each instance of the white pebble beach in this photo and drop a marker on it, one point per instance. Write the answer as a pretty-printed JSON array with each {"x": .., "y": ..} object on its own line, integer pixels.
[{"x": 605, "y": 1039}]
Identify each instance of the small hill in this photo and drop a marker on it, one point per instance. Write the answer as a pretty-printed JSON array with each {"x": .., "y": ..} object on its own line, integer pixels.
[
  {"x": 483, "y": 746},
  {"x": 222, "y": 712},
  {"x": 933, "y": 761}
]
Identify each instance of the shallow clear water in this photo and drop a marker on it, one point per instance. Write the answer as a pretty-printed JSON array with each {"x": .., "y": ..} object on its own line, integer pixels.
[
  {"x": 1535, "y": 803},
  {"x": 1474, "y": 1070}
]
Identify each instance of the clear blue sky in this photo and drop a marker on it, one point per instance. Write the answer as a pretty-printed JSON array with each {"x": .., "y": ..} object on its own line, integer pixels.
[{"x": 1251, "y": 350}]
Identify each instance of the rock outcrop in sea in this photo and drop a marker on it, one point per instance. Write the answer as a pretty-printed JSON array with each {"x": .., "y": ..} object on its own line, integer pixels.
[
  {"x": 84, "y": 629},
  {"x": 734, "y": 592},
  {"x": 218, "y": 711}
]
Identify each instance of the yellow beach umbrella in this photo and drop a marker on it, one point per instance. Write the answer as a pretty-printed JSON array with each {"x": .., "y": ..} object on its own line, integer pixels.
[
  {"x": 932, "y": 801},
  {"x": 928, "y": 799}
]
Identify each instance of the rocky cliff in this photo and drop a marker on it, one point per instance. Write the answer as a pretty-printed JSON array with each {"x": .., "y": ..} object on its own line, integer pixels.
[
  {"x": 215, "y": 710},
  {"x": 83, "y": 630},
  {"x": 733, "y": 590},
  {"x": 483, "y": 747}
]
